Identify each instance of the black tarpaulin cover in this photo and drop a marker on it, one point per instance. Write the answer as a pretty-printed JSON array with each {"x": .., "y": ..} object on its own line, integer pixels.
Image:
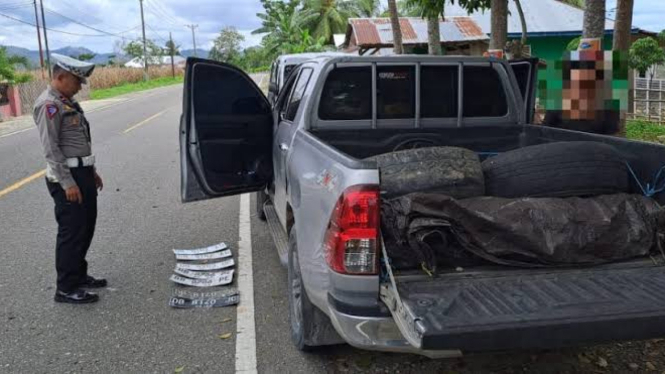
[{"x": 428, "y": 229}]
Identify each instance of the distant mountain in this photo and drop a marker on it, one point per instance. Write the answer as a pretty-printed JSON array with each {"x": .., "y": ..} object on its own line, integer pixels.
[
  {"x": 33, "y": 56},
  {"x": 190, "y": 53}
]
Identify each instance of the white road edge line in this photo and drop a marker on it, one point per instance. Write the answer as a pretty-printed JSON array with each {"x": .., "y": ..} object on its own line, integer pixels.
[
  {"x": 245, "y": 322},
  {"x": 17, "y": 132}
]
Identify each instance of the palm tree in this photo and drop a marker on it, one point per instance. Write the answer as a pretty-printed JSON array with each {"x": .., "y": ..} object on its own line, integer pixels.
[
  {"x": 430, "y": 9},
  {"x": 499, "y": 24},
  {"x": 283, "y": 22},
  {"x": 518, "y": 4},
  {"x": 624, "y": 19},
  {"x": 333, "y": 16},
  {"x": 594, "y": 19},
  {"x": 397, "y": 29},
  {"x": 366, "y": 8}
]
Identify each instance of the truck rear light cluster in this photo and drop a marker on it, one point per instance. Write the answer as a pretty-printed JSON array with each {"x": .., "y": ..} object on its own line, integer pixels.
[{"x": 352, "y": 238}]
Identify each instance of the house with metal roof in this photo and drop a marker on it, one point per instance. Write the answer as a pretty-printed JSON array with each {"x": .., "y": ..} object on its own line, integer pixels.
[
  {"x": 551, "y": 26},
  {"x": 459, "y": 35}
]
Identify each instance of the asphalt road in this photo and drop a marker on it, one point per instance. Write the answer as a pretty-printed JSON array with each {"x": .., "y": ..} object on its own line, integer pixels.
[{"x": 141, "y": 218}]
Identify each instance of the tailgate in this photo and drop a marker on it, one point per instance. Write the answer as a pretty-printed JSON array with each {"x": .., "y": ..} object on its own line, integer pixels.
[{"x": 530, "y": 309}]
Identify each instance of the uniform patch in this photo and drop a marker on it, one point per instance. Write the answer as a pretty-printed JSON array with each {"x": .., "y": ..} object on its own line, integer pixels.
[{"x": 51, "y": 110}]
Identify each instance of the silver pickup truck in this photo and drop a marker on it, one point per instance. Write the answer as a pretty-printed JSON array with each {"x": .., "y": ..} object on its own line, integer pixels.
[{"x": 308, "y": 157}]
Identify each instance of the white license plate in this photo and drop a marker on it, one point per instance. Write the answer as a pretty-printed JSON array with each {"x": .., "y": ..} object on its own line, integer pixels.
[
  {"x": 205, "y": 256},
  {"x": 205, "y": 267},
  {"x": 182, "y": 302},
  {"x": 200, "y": 251},
  {"x": 206, "y": 282},
  {"x": 203, "y": 275}
]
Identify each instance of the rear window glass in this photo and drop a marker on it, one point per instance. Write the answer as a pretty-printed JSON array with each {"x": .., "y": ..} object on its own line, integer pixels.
[
  {"x": 296, "y": 96},
  {"x": 347, "y": 94},
  {"x": 395, "y": 92},
  {"x": 483, "y": 93},
  {"x": 439, "y": 91}
]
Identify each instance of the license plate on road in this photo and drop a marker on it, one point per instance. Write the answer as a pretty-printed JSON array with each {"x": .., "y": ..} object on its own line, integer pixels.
[
  {"x": 205, "y": 256},
  {"x": 182, "y": 302},
  {"x": 207, "y": 282},
  {"x": 200, "y": 251},
  {"x": 204, "y": 267},
  {"x": 203, "y": 275}
]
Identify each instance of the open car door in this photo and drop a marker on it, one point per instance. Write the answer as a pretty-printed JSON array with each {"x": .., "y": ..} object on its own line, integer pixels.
[
  {"x": 526, "y": 73},
  {"x": 225, "y": 132}
]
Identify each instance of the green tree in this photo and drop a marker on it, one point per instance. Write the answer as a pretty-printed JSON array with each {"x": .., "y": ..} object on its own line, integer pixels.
[
  {"x": 432, "y": 9},
  {"x": 305, "y": 43},
  {"x": 282, "y": 21},
  {"x": 333, "y": 16},
  {"x": 645, "y": 55},
  {"x": 8, "y": 69},
  {"x": 85, "y": 56},
  {"x": 226, "y": 47},
  {"x": 366, "y": 8},
  {"x": 170, "y": 48},
  {"x": 135, "y": 49}
]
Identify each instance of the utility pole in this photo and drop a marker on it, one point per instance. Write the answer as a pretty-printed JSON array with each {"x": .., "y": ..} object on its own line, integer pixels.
[
  {"x": 48, "y": 53},
  {"x": 39, "y": 39},
  {"x": 172, "y": 50},
  {"x": 193, "y": 38},
  {"x": 145, "y": 53}
]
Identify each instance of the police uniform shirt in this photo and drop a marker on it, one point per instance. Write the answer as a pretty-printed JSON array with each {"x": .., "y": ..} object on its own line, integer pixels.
[{"x": 64, "y": 133}]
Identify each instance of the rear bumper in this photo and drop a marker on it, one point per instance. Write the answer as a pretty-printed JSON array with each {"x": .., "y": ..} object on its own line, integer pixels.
[{"x": 379, "y": 334}]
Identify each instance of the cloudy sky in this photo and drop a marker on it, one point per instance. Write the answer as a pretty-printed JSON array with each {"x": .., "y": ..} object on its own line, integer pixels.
[{"x": 118, "y": 16}]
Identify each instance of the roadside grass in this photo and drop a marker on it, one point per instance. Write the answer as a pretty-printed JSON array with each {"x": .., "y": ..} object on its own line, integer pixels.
[
  {"x": 134, "y": 87},
  {"x": 643, "y": 130}
]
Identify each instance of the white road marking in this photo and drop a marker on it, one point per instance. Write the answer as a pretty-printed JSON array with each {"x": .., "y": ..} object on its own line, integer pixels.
[
  {"x": 246, "y": 327},
  {"x": 17, "y": 132}
]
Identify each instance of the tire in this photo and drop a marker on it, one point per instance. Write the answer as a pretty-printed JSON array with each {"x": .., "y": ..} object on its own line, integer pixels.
[
  {"x": 456, "y": 172},
  {"x": 261, "y": 199},
  {"x": 310, "y": 327},
  {"x": 561, "y": 169}
]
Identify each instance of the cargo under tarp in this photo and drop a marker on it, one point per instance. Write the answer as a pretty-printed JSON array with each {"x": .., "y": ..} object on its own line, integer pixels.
[{"x": 426, "y": 230}]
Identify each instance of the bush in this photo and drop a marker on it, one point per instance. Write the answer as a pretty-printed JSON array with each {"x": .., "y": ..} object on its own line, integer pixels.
[{"x": 107, "y": 77}]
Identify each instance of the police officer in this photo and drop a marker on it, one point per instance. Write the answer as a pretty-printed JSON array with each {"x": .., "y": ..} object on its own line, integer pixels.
[{"x": 70, "y": 176}]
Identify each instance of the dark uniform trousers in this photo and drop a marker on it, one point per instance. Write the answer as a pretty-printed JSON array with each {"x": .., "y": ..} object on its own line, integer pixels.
[{"x": 76, "y": 228}]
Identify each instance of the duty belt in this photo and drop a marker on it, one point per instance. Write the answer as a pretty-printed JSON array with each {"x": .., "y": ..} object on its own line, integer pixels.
[{"x": 79, "y": 162}]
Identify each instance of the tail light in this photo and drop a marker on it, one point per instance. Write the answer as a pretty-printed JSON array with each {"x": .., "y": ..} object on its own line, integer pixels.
[{"x": 352, "y": 239}]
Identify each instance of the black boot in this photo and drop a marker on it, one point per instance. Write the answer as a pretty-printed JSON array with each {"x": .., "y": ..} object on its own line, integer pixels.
[
  {"x": 91, "y": 282},
  {"x": 75, "y": 297}
]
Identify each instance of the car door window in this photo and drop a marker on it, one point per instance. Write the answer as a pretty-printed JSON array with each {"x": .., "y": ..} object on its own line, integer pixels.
[
  {"x": 483, "y": 94},
  {"x": 297, "y": 94}
]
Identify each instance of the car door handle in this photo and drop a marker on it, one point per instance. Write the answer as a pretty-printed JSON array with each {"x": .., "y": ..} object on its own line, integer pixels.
[{"x": 283, "y": 147}]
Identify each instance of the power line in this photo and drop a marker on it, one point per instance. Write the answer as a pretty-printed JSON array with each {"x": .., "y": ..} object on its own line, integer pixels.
[
  {"x": 166, "y": 16},
  {"x": 49, "y": 29},
  {"x": 88, "y": 26},
  {"x": 159, "y": 36},
  {"x": 14, "y": 7},
  {"x": 88, "y": 15}
]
